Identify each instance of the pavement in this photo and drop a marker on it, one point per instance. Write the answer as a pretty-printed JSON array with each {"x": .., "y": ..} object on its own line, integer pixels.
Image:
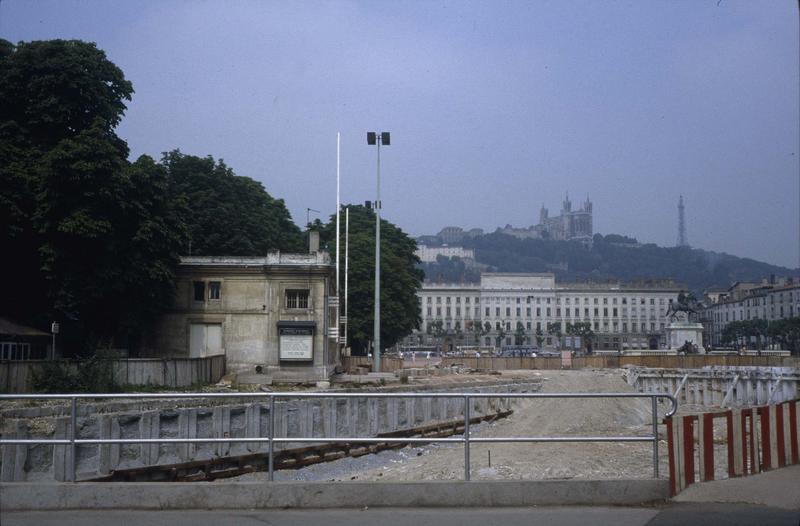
[
  {"x": 685, "y": 514},
  {"x": 779, "y": 488}
]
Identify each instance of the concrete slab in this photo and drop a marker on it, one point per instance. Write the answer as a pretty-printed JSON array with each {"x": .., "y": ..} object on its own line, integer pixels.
[
  {"x": 779, "y": 489},
  {"x": 157, "y": 495}
]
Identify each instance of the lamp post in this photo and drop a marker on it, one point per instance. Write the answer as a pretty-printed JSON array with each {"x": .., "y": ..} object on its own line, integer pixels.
[{"x": 377, "y": 139}]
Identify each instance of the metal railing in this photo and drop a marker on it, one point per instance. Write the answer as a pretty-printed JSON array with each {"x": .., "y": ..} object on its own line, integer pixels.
[{"x": 466, "y": 439}]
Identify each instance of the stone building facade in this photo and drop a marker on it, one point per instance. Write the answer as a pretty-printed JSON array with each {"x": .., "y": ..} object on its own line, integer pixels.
[
  {"x": 622, "y": 315},
  {"x": 569, "y": 225},
  {"x": 428, "y": 254},
  {"x": 770, "y": 299},
  {"x": 266, "y": 314}
]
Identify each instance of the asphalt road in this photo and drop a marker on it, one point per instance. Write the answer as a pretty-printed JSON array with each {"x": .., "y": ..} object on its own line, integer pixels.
[{"x": 684, "y": 514}]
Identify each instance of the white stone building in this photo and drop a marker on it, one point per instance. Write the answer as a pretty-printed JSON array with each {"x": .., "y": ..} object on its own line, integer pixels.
[
  {"x": 771, "y": 299},
  {"x": 428, "y": 254},
  {"x": 622, "y": 315}
]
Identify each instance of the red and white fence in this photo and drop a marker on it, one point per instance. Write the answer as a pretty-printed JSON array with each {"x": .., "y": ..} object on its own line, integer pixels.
[{"x": 758, "y": 439}]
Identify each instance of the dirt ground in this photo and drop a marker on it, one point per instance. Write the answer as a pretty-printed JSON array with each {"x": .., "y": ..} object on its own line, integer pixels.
[
  {"x": 545, "y": 417},
  {"x": 531, "y": 417}
]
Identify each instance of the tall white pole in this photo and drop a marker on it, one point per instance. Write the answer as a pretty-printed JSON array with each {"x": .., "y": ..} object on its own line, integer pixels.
[
  {"x": 377, "y": 326},
  {"x": 346, "y": 264},
  {"x": 338, "y": 294},
  {"x": 337, "y": 212}
]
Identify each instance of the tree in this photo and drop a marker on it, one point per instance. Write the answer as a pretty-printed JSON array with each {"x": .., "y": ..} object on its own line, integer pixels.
[
  {"x": 539, "y": 337},
  {"x": 50, "y": 91},
  {"x": 500, "y": 335},
  {"x": 582, "y": 329},
  {"x": 519, "y": 334},
  {"x": 229, "y": 215},
  {"x": 786, "y": 333},
  {"x": 95, "y": 240},
  {"x": 400, "y": 279},
  {"x": 554, "y": 328},
  {"x": 478, "y": 331}
]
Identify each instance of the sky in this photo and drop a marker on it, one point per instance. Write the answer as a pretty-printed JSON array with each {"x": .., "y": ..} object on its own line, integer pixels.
[{"x": 495, "y": 107}]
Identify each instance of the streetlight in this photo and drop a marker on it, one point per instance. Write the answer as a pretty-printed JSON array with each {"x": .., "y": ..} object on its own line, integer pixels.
[{"x": 374, "y": 138}]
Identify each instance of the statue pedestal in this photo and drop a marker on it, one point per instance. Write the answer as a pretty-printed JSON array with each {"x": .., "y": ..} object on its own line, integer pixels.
[{"x": 680, "y": 332}]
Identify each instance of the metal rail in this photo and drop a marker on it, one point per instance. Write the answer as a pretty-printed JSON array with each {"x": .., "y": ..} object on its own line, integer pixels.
[{"x": 466, "y": 439}]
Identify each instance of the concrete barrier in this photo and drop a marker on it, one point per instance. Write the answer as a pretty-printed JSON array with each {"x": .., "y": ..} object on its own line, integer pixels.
[
  {"x": 334, "y": 417},
  {"x": 720, "y": 386},
  {"x": 255, "y": 495}
]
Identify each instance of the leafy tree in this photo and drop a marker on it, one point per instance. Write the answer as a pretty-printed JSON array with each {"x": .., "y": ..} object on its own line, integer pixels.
[
  {"x": 94, "y": 239},
  {"x": 436, "y": 328},
  {"x": 478, "y": 331},
  {"x": 500, "y": 335},
  {"x": 554, "y": 328},
  {"x": 539, "y": 335},
  {"x": 786, "y": 333},
  {"x": 519, "y": 334},
  {"x": 229, "y": 215},
  {"x": 400, "y": 279},
  {"x": 582, "y": 329}
]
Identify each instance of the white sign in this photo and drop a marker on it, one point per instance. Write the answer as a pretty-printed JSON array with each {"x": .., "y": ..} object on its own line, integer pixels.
[{"x": 297, "y": 347}]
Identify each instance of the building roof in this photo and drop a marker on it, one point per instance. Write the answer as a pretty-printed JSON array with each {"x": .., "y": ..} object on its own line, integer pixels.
[
  {"x": 9, "y": 327},
  {"x": 272, "y": 258}
]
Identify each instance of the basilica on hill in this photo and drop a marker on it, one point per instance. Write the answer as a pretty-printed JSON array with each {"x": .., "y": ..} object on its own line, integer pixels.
[{"x": 569, "y": 225}]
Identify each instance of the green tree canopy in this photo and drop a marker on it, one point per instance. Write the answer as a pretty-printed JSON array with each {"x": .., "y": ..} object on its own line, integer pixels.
[
  {"x": 229, "y": 215},
  {"x": 94, "y": 240},
  {"x": 400, "y": 279}
]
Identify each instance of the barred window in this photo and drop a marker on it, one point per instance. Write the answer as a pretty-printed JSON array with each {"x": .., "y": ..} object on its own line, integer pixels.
[{"x": 297, "y": 298}]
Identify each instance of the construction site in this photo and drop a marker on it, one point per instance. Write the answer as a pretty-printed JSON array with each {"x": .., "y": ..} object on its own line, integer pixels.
[{"x": 408, "y": 425}]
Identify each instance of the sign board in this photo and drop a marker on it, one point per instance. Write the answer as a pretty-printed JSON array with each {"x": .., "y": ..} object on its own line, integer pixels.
[
  {"x": 54, "y": 328},
  {"x": 333, "y": 301},
  {"x": 296, "y": 343}
]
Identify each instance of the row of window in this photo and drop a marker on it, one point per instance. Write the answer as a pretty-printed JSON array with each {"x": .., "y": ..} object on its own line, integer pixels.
[
  {"x": 576, "y": 301},
  {"x": 293, "y": 298},
  {"x": 596, "y": 326},
  {"x": 568, "y": 313}
]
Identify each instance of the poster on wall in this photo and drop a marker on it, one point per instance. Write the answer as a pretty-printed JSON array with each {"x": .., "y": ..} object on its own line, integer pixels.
[{"x": 296, "y": 342}]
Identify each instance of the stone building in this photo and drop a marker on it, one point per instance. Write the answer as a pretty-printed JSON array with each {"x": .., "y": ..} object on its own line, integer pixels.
[
  {"x": 770, "y": 299},
  {"x": 622, "y": 315},
  {"x": 268, "y": 315},
  {"x": 569, "y": 225},
  {"x": 428, "y": 254}
]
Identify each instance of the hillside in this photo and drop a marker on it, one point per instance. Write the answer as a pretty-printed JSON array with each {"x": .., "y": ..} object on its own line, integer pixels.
[{"x": 610, "y": 257}]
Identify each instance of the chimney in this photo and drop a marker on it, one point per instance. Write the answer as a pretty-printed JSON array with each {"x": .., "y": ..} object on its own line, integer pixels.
[{"x": 313, "y": 241}]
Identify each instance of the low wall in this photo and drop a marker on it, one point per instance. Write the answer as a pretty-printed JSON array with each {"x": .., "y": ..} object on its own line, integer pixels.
[
  {"x": 355, "y": 495},
  {"x": 16, "y": 376},
  {"x": 331, "y": 417},
  {"x": 615, "y": 362}
]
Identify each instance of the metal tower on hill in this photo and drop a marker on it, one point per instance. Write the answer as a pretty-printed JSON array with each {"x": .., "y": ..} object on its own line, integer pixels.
[{"x": 682, "y": 241}]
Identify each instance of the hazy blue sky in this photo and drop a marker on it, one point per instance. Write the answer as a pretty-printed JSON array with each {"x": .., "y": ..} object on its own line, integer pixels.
[{"x": 495, "y": 107}]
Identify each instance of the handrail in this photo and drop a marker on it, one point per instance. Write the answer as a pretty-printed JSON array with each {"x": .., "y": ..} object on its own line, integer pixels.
[{"x": 466, "y": 439}]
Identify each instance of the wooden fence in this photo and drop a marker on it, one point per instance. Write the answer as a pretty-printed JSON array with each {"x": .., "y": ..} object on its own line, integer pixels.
[
  {"x": 16, "y": 376},
  {"x": 614, "y": 362}
]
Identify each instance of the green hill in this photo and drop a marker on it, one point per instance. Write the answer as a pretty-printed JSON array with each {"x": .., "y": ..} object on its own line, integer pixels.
[{"x": 610, "y": 257}]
